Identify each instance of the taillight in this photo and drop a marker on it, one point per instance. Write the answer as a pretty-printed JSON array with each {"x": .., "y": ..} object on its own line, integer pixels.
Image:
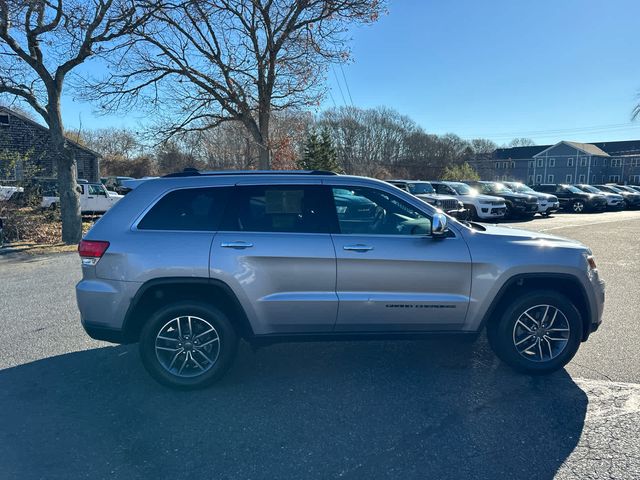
[{"x": 91, "y": 251}]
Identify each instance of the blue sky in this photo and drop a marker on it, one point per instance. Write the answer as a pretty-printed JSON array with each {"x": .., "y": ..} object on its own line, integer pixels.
[{"x": 548, "y": 70}]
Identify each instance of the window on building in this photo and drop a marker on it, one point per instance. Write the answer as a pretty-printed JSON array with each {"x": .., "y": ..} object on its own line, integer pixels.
[
  {"x": 604, "y": 179},
  {"x": 196, "y": 209},
  {"x": 634, "y": 179},
  {"x": 497, "y": 165},
  {"x": 532, "y": 163},
  {"x": 593, "y": 179},
  {"x": 583, "y": 161},
  {"x": 4, "y": 120},
  {"x": 614, "y": 178},
  {"x": 530, "y": 180},
  {"x": 540, "y": 162},
  {"x": 505, "y": 164},
  {"x": 538, "y": 178},
  {"x": 582, "y": 178},
  {"x": 604, "y": 162},
  {"x": 550, "y": 178},
  {"x": 513, "y": 164},
  {"x": 504, "y": 178},
  {"x": 568, "y": 178},
  {"x": 570, "y": 162},
  {"x": 552, "y": 162}
]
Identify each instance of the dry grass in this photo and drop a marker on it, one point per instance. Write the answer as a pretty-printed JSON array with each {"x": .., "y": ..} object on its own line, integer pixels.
[{"x": 35, "y": 230}]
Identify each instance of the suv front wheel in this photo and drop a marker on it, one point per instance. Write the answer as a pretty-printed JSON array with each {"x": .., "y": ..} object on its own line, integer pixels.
[
  {"x": 188, "y": 345},
  {"x": 537, "y": 333}
]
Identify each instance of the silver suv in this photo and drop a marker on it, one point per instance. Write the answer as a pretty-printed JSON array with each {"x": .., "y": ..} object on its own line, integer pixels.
[{"x": 188, "y": 264}]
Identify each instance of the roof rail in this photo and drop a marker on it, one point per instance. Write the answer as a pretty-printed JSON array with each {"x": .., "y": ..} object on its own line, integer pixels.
[{"x": 193, "y": 172}]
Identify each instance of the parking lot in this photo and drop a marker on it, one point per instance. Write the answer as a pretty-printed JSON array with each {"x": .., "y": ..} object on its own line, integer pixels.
[{"x": 71, "y": 407}]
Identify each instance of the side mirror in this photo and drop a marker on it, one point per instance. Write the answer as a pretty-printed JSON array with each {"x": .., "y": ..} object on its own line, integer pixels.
[{"x": 439, "y": 226}]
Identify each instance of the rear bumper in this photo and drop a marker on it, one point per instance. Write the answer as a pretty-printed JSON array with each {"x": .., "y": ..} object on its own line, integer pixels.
[
  {"x": 98, "y": 332},
  {"x": 103, "y": 306}
]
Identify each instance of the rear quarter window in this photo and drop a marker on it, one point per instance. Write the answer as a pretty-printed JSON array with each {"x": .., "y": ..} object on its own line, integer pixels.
[{"x": 196, "y": 209}]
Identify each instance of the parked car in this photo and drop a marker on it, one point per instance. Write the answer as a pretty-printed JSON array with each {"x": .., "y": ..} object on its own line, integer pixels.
[
  {"x": 572, "y": 198},
  {"x": 189, "y": 264},
  {"x": 116, "y": 184},
  {"x": 518, "y": 204},
  {"x": 6, "y": 192},
  {"x": 94, "y": 198},
  {"x": 626, "y": 188},
  {"x": 632, "y": 200},
  {"x": 635, "y": 187},
  {"x": 614, "y": 200},
  {"x": 547, "y": 203},
  {"x": 425, "y": 191},
  {"x": 479, "y": 207}
]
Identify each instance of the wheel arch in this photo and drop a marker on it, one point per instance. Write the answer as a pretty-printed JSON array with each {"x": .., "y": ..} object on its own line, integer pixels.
[
  {"x": 158, "y": 292},
  {"x": 566, "y": 284}
]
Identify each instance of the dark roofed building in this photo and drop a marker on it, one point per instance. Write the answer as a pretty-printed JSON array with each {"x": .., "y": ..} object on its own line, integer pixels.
[
  {"x": 29, "y": 142},
  {"x": 564, "y": 162}
]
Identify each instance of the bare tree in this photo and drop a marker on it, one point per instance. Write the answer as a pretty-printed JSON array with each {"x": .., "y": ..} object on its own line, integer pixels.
[
  {"x": 41, "y": 43},
  {"x": 204, "y": 62},
  {"x": 521, "y": 142}
]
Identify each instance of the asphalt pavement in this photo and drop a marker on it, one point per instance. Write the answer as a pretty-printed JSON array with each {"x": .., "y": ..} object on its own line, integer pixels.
[{"x": 71, "y": 407}]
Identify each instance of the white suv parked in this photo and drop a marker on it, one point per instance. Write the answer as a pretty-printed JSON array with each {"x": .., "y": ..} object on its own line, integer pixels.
[{"x": 480, "y": 207}]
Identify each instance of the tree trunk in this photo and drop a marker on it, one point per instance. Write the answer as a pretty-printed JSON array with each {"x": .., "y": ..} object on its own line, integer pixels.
[
  {"x": 67, "y": 182},
  {"x": 264, "y": 158}
]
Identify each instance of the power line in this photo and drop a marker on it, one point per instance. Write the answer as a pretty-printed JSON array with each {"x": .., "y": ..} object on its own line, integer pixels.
[
  {"x": 339, "y": 87},
  {"x": 613, "y": 126},
  {"x": 346, "y": 84}
]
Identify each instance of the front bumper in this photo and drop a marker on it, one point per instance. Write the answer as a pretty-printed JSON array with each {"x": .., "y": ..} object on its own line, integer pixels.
[
  {"x": 549, "y": 207},
  {"x": 485, "y": 212}
]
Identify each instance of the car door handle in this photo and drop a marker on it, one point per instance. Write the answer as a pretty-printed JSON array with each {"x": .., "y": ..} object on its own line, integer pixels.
[
  {"x": 358, "y": 248},
  {"x": 238, "y": 245}
]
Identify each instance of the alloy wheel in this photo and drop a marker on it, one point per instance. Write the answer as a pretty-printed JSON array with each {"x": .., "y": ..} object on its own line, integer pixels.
[
  {"x": 187, "y": 346},
  {"x": 578, "y": 207},
  {"x": 541, "y": 333}
]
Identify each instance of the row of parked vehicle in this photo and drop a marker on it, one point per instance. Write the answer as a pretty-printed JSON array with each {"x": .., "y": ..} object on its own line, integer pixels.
[{"x": 485, "y": 200}]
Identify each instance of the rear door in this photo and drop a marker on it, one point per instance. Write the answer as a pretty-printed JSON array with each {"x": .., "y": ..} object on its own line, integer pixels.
[
  {"x": 391, "y": 274},
  {"x": 275, "y": 251}
]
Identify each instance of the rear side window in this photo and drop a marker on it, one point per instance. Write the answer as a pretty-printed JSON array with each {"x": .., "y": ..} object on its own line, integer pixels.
[
  {"x": 196, "y": 209},
  {"x": 280, "y": 208}
]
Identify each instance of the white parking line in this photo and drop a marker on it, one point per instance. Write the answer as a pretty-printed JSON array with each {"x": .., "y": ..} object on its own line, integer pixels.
[{"x": 610, "y": 399}]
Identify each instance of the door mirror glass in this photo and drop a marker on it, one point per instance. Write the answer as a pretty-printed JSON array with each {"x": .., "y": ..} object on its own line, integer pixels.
[{"x": 439, "y": 226}]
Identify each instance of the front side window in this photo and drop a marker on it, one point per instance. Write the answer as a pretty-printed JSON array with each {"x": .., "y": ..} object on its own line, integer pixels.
[
  {"x": 96, "y": 190},
  {"x": 195, "y": 209},
  {"x": 368, "y": 211},
  {"x": 280, "y": 209}
]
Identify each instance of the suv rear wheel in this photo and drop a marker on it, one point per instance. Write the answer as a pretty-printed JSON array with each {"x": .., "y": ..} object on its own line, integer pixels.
[
  {"x": 188, "y": 345},
  {"x": 538, "y": 333}
]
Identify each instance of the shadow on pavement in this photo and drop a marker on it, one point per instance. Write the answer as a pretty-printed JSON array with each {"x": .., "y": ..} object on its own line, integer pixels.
[{"x": 353, "y": 410}]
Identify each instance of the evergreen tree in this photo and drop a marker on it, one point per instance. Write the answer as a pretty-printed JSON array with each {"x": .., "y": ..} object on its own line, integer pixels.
[{"x": 319, "y": 153}]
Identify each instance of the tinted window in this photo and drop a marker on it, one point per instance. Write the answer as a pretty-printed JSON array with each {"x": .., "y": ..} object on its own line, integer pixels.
[
  {"x": 280, "y": 208},
  {"x": 187, "y": 209},
  {"x": 368, "y": 211}
]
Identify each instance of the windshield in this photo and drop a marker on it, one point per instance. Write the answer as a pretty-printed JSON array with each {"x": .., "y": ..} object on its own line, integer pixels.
[
  {"x": 493, "y": 188},
  {"x": 572, "y": 189},
  {"x": 463, "y": 188},
  {"x": 611, "y": 188},
  {"x": 420, "y": 187},
  {"x": 590, "y": 189},
  {"x": 521, "y": 188}
]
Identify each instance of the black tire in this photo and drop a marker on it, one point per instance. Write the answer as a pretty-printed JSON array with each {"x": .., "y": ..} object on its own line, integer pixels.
[
  {"x": 473, "y": 213},
  {"x": 578, "y": 206},
  {"x": 227, "y": 345},
  {"x": 500, "y": 333}
]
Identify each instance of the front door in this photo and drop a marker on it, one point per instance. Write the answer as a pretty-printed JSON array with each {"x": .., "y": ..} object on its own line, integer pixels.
[
  {"x": 275, "y": 251},
  {"x": 391, "y": 274}
]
